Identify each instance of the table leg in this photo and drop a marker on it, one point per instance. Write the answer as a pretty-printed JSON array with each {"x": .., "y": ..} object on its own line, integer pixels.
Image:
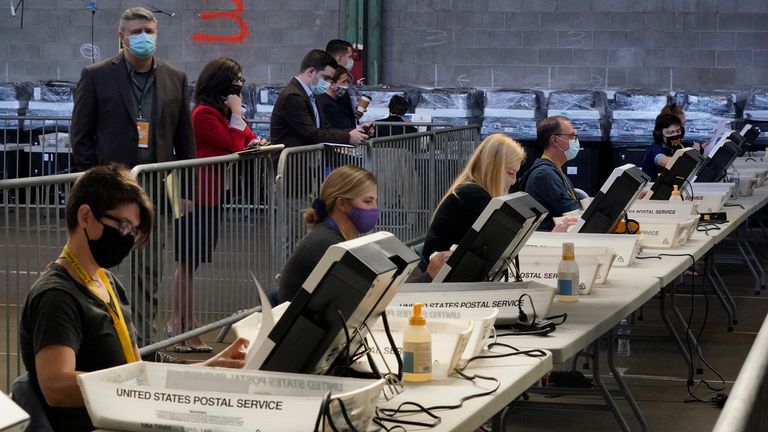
[
  {"x": 497, "y": 421},
  {"x": 623, "y": 386},
  {"x": 756, "y": 263},
  {"x": 720, "y": 291},
  {"x": 689, "y": 333},
  {"x": 672, "y": 331},
  {"x": 602, "y": 387}
]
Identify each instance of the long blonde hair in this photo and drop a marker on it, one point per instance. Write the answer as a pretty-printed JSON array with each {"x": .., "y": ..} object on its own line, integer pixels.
[
  {"x": 487, "y": 165},
  {"x": 348, "y": 182}
]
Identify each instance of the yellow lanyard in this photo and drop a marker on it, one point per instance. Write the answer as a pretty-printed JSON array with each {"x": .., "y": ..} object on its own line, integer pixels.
[
  {"x": 116, "y": 313},
  {"x": 565, "y": 180}
]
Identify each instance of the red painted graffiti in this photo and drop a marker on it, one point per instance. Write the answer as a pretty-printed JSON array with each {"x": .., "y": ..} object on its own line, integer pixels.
[{"x": 235, "y": 16}]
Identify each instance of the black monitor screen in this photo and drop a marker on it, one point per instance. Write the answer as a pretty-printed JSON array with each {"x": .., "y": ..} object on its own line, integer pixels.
[
  {"x": 679, "y": 170},
  {"x": 496, "y": 237},
  {"x": 716, "y": 166},
  {"x": 613, "y": 199},
  {"x": 350, "y": 287}
]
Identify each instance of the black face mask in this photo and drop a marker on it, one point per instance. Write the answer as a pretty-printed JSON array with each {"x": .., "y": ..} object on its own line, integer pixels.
[
  {"x": 112, "y": 248},
  {"x": 236, "y": 89},
  {"x": 674, "y": 141}
]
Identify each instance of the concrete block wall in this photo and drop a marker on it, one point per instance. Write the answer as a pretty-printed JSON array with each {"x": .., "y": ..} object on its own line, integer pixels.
[
  {"x": 56, "y": 38},
  {"x": 654, "y": 44}
]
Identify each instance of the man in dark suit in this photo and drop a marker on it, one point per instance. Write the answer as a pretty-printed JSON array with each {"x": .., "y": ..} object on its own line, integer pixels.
[
  {"x": 296, "y": 119},
  {"x": 398, "y": 106},
  {"x": 134, "y": 109}
]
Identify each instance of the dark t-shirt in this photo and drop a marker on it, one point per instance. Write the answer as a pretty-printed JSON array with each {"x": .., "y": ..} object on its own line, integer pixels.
[
  {"x": 547, "y": 184},
  {"x": 454, "y": 217},
  {"x": 60, "y": 311},
  {"x": 308, "y": 253},
  {"x": 650, "y": 167}
]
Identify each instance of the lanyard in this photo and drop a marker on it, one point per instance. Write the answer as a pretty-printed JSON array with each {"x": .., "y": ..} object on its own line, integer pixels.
[
  {"x": 565, "y": 180},
  {"x": 140, "y": 96},
  {"x": 121, "y": 328}
]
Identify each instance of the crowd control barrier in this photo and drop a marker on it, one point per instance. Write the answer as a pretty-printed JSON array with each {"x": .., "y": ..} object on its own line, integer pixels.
[
  {"x": 744, "y": 410},
  {"x": 413, "y": 172},
  {"x": 32, "y": 233},
  {"x": 217, "y": 220},
  {"x": 214, "y": 226}
]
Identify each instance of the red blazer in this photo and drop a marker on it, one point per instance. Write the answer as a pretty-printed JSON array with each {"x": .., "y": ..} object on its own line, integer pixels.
[{"x": 214, "y": 137}]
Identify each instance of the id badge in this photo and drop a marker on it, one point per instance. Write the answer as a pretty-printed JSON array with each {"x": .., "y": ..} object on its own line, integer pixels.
[{"x": 143, "y": 129}]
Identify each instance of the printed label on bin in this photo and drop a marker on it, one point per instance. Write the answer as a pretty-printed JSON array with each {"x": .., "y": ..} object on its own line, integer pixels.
[
  {"x": 141, "y": 397},
  {"x": 159, "y": 409}
]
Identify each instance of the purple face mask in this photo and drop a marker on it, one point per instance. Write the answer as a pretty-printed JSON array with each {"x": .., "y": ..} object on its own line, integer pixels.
[{"x": 364, "y": 219}]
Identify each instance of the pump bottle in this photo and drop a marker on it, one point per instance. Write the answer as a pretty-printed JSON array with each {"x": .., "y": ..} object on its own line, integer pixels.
[
  {"x": 417, "y": 348},
  {"x": 568, "y": 276}
]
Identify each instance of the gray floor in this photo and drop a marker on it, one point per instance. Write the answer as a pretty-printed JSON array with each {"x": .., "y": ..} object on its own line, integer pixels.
[{"x": 656, "y": 373}]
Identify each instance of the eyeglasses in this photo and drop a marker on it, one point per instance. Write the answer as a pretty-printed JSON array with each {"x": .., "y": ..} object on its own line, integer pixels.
[
  {"x": 570, "y": 135},
  {"x": 240, "y": 80},
  {"x": 126, "y": 228}
]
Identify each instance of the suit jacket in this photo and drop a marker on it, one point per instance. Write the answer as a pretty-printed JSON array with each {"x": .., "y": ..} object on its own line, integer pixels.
[
  {"x": 387, "y": 130},
  {"x": 214, "y": 137},
  {"x": 104, "y": 126},
  {"x": 293, "y": 120}
]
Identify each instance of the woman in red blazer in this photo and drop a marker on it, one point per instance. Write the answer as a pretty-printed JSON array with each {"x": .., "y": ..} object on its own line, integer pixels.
[{"x": 220, "y": 129}]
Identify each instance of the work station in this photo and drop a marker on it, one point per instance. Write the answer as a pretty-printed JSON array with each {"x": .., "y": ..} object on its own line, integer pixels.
[{"x": 384, "y": 216}]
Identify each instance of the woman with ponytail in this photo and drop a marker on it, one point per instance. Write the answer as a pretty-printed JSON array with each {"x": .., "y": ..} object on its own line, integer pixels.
[{"x": 346, "y": 208}]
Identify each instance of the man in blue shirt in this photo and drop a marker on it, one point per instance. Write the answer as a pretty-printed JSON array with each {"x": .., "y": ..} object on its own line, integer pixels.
[{"x": 545, "y": 180}]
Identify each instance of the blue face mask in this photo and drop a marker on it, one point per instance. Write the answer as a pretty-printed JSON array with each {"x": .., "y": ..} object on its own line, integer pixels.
[
  {"x": 573, "y": 151},
  {"x": 141, "y": 45},
  {"x": 321, "y": 87}
]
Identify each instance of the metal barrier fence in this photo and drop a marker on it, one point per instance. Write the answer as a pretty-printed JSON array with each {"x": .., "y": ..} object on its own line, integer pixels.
[
  {"x": 413, "y": 172},
  {"x": 745, "y": 409},
  {"x": 231, "y": 225},
  {"x": 32, "y": 233},
  {"x": 236, "y": 202},
  {"x": 35, "y": 146},
  {"x": 385, "y": 129},
  {"x": 216, "y": 211}
]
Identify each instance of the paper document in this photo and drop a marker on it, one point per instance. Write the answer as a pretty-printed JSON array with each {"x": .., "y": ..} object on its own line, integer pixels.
[{"x": 173, "y": 191}]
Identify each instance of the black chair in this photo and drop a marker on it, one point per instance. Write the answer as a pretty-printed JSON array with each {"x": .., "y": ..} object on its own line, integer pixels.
[{"x": 25, "y": 396}]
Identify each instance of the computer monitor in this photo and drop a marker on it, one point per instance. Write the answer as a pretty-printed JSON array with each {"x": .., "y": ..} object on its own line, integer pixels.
[
  {"x": 612, "y": 200},
  {"x": 715, "y": 167},
  {"x": 679, "y": 170},
  {"x": 497, "y": 236},
  {"x": 746, "y": 138},
  {"x": 351, "y": 286},
  {"x": 751, "y": 133}
]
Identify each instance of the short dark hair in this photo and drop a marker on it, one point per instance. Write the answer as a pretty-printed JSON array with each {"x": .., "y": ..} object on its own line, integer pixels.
[
  {"x": 105, "y": 188},
  {"x": 664, "y": 121},
  {"x": 340, "y": 72},
  {"x": 319, "y": 60},
  {"x": 398, "y": 105},
  {"x": 215, "y": 81},
  {"x": 546, "y": 129},
  {"x": 337, "y": 47}
]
